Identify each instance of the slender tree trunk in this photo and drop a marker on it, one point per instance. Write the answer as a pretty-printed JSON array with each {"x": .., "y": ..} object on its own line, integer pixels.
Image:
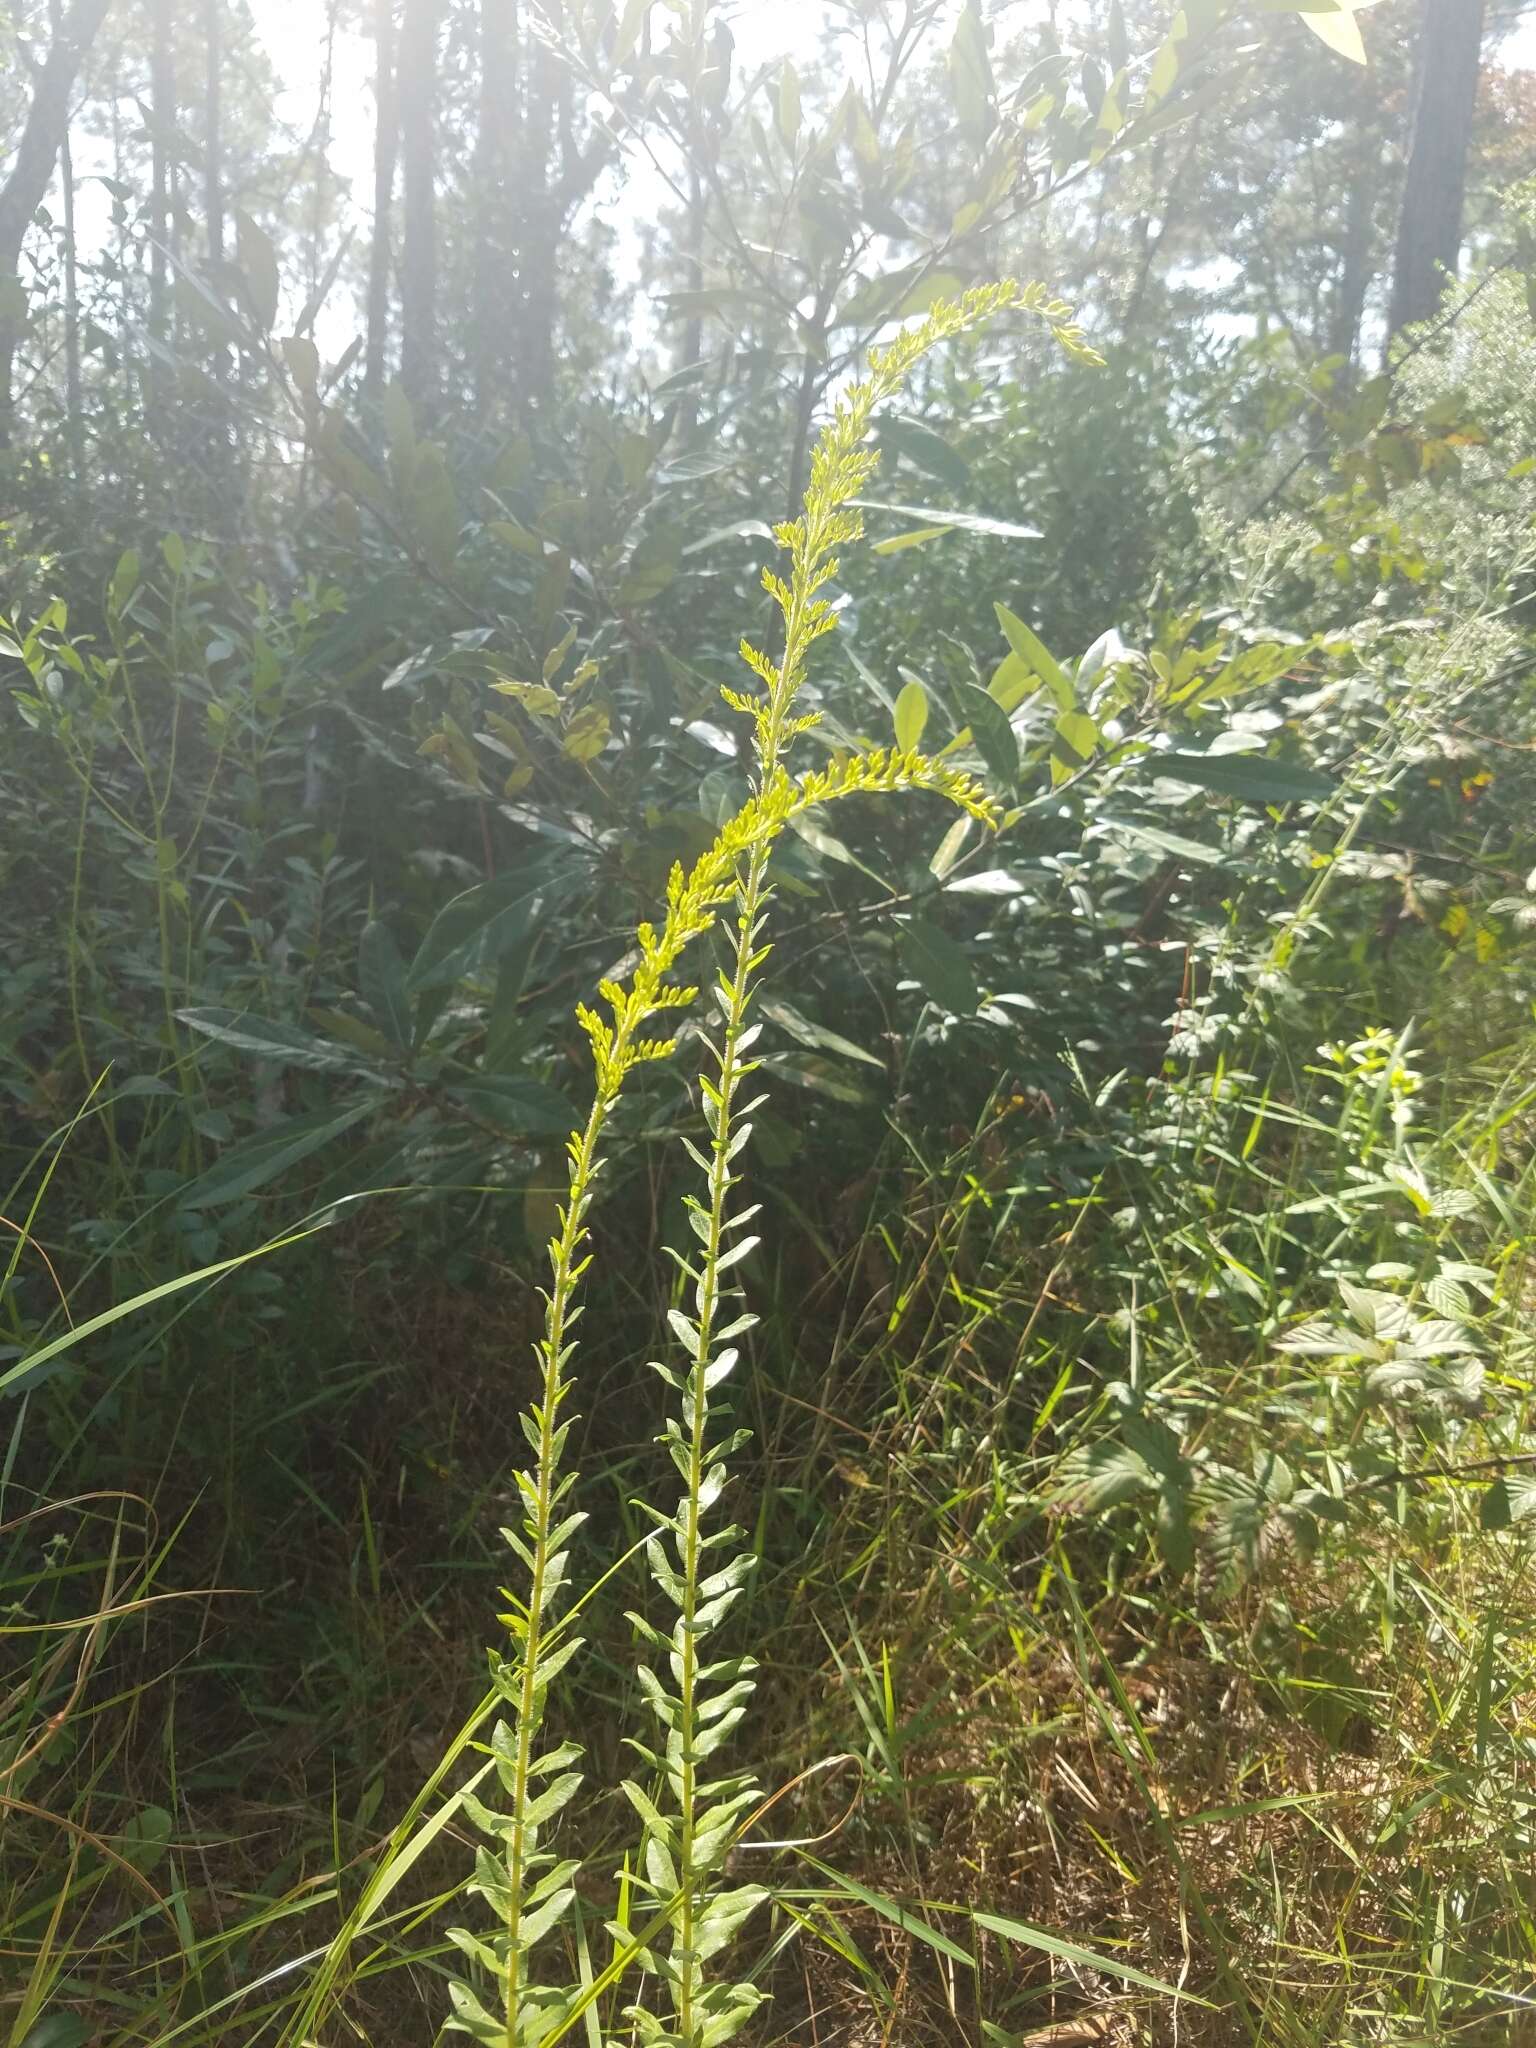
[
  {"x": 162, "y": 214},
  {"x": 490, "y": 323},
  {"x": 418, "y": 161},
  {"x": 386, "y": 142},
  {"x": 220, "y": 507},
  {"x": 1429, "y": 233},
  {"x": 74, "y": 404},
  {"x": 691, "y": 351},
  {"x": 1354, "y": 278},
  {"x": 26, "y": 186},
  {"x": 213, "y": 138}
]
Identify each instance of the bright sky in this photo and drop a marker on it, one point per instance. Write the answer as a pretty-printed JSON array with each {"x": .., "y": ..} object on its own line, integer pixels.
[{"x": 293, "y": 32}]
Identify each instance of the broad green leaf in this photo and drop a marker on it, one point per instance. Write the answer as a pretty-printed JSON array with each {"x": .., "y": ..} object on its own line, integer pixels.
[
  {"x": 587, "y": 734},
  {"x": 1076, "y": 742},
  {"x": 994, "y": 738},
  {"x": 471, "y": 933},
  {"x": 381, "y": 981},
  {"x": 1165, "y": 68},
  {"x": 899, "y": 294},
  {"x": 787, "y": 107},
  {"x": 303, "y": 360},
  {"x": 1340, "y": 32},
  {"x": 537, "y": 699},
  {"x": 258, "y": 269},
  {"x": 1012, "y": 681},
  {"x": 125, "y": 580},
  {"x": 1333, "y": 21},
  {"x": 950, "y": 848},
  {"x": 820, "y": 1076},
  {"x": 934, "y": 960},
  {"x": 519, "y": 1103},
  {"x": 1509, "y": 1500},
  {"x": 145, "y": 1838},
  {"x": 970, "y": 71},
  {"x": 911, "y": 715},
  {"x": 930, "y": 451},
  {"x": 808, "y": 1032},
  {"x": 243, "y": 1168},
  {"x": 58, "y": 2030},
  {"x": 1036, "y": 659},
  {"x": 1191, "y": 851},
  {"x": 631, "y": 22},
  {"x": 1252, "y": 778}
]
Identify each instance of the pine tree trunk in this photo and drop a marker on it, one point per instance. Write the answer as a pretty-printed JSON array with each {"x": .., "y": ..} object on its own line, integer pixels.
[
  {"x": 32, "y": 165},
  {"x": 74, "y": 403},
  {"x": 220, "y": 507},
  {"x": 495, "y": 237},
  {"x": 162, "y": 216},
  {"x": 1429, "y": 232},
  {"x": 418, "y": 160},
  {"x": 213, "y": 138},
  {"x": 386, "y": 144},
  {"x": 1354, "y": 278}
]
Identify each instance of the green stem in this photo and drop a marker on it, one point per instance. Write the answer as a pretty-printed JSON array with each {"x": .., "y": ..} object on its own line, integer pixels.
[
  {"x": 752, "y": 902},
  {"x": 565, "y": 1276}
]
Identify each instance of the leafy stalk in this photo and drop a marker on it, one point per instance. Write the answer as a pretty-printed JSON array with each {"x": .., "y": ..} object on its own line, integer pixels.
[
  {"x": 529, "y": 1891},
  {"x": 686, "y": 1848}
]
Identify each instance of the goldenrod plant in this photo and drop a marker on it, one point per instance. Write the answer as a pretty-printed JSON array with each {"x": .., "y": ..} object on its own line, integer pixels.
[{"x": 691, "y": 1817}]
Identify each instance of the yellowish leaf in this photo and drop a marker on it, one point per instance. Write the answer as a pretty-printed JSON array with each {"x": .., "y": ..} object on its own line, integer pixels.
[{"x": 1339, "y": 30}]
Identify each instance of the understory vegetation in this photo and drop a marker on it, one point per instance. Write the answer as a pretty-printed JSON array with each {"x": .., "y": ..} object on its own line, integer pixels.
[{"x": 768, "y": 1033}]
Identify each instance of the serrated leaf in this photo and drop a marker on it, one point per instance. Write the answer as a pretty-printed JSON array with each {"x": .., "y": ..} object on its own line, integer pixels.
[{"x": 1102, "y": 1476}]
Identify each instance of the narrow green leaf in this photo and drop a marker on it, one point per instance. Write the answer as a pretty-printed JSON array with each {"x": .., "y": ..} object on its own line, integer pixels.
[
  {"x": 914, "y": 539},
  {"x": 267, "y": 1039},
  {"x": 243, "y": 1168},
  {"x": 1025, "y": 1936},
  {"x": 1252, "y": 778},
  {"x": 81, "y": 1331}
]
